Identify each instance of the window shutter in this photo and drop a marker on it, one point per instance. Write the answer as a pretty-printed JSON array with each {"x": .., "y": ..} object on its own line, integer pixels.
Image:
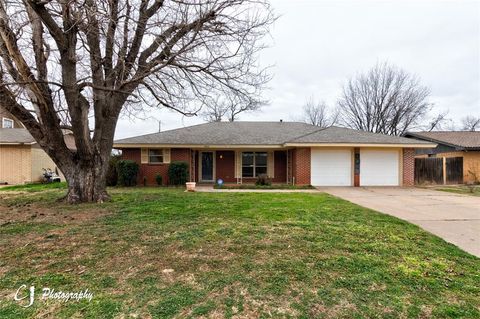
[
  {"x": 271, "y": 164},
  {"x": 144, "y": 156},
  {"x": 166, "y": 155},
  {"x": 238, "y": 164}
]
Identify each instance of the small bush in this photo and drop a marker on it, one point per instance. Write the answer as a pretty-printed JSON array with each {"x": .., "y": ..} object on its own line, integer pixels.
[
  {"x": 159, "y": 179},
  {"x": 178, "y": 173},
  {"x": 112, "y": 174},
  {"x": 127, "y": 172},
  {"x": 263, "y": 180}
]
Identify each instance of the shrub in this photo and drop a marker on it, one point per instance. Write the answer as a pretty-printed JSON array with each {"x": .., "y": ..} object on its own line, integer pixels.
[
  {"x": 263, "y": 180},
  {"x": 159, "y": 179},
  {"x": 178, "y": 173},
  {"x": 112, "y": 174},
  {"x": 127, "y": 172}
]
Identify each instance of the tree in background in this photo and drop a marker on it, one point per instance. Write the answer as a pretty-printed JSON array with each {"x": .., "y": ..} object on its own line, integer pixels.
[
  {"x": 78, "y": 65},
  {"x": 438, "y": 122},
  {"x": 318, "y": 113},
  {"x": 227, "y": 107},
  {"x": 470, "y": 123},
  {"x": 384, "y": 100}
]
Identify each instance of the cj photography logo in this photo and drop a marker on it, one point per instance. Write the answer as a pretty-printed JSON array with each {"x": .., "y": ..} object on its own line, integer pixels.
[{"x": 25, "y": 295}]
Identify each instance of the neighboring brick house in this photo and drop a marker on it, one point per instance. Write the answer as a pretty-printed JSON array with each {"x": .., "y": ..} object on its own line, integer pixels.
[
  {"x": 450, "y": 144},
  {"x": 21, "y": 159},
  {"x": 7, "y": 120},
  {"x": 288, "y": 152}
]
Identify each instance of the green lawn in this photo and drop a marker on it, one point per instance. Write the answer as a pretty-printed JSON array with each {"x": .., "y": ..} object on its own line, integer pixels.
[
  {"x": 461, "y": 190},
  {"x": 162, "y": 253}
]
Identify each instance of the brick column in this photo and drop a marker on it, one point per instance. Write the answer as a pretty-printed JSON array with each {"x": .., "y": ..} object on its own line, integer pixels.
[
  {"x": 408, "y": 167},
  {"x": 301, "y": 163}
]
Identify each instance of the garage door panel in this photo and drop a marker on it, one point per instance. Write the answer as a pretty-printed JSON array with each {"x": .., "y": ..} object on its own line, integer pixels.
[
  {"x": 331, "y": 167},
  {"x": 379, "y": 167}
]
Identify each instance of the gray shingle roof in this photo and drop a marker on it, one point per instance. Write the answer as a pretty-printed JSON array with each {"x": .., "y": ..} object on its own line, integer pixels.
[
  {"x": 262, "y": 133},
  {"x": 466, "y": 140},
  {"x": 334, "y": 134},
  {"x": 15, "y": 135}
]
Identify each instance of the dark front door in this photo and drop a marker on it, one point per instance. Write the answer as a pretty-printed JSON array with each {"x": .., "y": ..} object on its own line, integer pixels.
[{"x": 207, "y": 166}]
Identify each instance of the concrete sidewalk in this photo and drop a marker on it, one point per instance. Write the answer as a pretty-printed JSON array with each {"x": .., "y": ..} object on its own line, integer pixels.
[
  {"x": 210, "y": 189},
  {"x": 453, "y": 217}
]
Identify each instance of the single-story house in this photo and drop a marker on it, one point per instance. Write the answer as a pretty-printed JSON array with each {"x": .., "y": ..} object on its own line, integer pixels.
[
  {"x": 21, "y": 159},
  {"x": 450, "y": 145},
  {"x": 288, "y": 152}
]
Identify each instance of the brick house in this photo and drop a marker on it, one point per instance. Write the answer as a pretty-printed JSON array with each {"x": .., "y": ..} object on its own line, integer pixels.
[
  {"x": 453, "y": 144},
  {"x": 288, "y": 152},
  {"x": 21, "y": 159}
]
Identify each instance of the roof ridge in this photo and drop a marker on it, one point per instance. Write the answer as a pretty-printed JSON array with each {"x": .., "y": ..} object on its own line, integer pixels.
[
  {"x": 316, "y": 131},
  {"x": 211, "y": 123}
]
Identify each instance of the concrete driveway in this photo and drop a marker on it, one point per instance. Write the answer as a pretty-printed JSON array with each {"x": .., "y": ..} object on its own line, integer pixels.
[{"x": 453, "y": 217}]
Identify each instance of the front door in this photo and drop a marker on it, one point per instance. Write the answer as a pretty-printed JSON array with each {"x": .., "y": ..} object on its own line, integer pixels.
[{"x": 207, "y": 166}]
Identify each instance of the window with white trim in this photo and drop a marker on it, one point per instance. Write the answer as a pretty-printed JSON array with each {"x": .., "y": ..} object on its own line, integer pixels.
[
  {"x": 155, "y": 155},
  {"x": 7, "y": 123},
  {"x": 254, "y": 164}
]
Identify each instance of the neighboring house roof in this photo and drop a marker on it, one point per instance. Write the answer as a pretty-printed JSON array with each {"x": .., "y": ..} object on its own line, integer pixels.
[
  {"x": 22, "y": 136},
  {"x": 15, "y": 136},
  {"x": 462, "y": 140},
  {"x": 263, "y": 133}
]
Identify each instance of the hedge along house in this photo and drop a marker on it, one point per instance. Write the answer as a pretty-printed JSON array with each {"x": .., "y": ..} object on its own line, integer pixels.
[{"x": 288, "y": 152}]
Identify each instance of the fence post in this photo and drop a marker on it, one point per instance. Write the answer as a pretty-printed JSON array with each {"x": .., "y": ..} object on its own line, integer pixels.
[{"x": 444, "y": 167}]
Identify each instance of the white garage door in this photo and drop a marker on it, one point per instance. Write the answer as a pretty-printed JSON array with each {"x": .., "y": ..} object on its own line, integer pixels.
[
  {"x": 379, "y": 167},
  {"x": 331, "y": 167}
]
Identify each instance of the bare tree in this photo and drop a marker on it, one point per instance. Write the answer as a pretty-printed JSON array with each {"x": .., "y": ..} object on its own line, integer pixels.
[
  {"x": 385, "y": 100},
  {"x": 78, "y": 64},
  {"x": 318, "y": 113},
  {"x": 229, "y": 108},
  {"x": 437, "y": 122},
  {"x": 470, "y": 123}
]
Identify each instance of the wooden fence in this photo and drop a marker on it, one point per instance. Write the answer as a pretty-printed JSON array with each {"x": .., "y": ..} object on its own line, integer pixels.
[{"x": 439, "y": 170}]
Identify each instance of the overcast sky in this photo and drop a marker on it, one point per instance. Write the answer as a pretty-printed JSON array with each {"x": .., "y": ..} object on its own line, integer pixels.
[{"x": 317, "y": 45}]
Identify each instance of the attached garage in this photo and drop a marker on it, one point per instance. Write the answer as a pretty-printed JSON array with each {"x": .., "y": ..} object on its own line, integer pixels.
[
  {"x": 379, "y": 167},
  {"x": 331, "y": 167}
]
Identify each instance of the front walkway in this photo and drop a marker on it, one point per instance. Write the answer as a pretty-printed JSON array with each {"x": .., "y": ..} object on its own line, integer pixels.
[
  {"x": 210, "y": 189},
  {"x": 453, "y": 217}
]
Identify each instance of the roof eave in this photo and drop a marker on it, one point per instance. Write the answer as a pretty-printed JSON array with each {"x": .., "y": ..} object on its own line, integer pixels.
[{"x": 434, "y": 140}]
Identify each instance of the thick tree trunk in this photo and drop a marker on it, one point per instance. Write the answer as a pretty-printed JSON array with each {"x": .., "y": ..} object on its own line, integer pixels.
[{"x": 86, "y": 181}]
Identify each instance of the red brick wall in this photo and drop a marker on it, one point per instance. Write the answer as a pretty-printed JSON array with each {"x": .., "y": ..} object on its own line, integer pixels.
[
  {"x": 280, "y": 167},
  {"x": 301, "y": 165},
  {"x": 290, "y": 166},
  {"x": 408, "y": 167},
  {"x": 225, "y": 166},
  {"x": 150, "y": 171}
]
